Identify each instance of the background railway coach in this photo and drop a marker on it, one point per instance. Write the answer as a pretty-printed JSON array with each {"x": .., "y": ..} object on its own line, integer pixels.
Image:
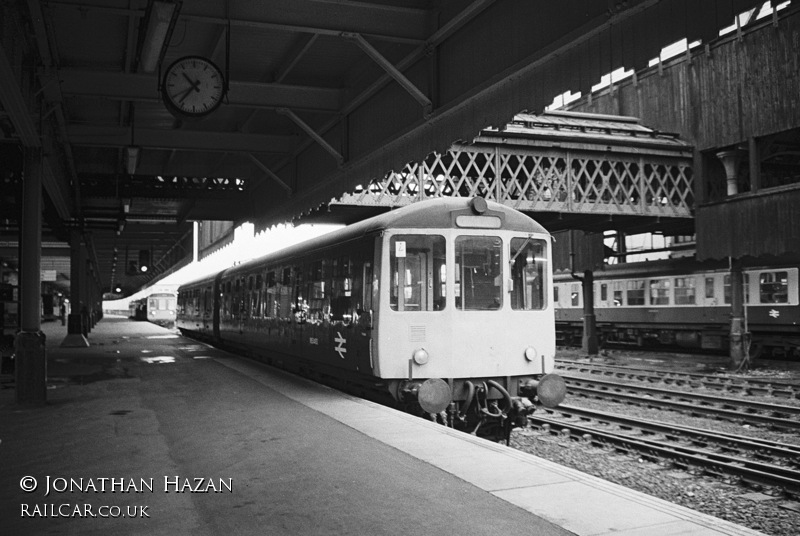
[
  {"x": 441, "y": 308},
  {"x": 681, "y": 302}
]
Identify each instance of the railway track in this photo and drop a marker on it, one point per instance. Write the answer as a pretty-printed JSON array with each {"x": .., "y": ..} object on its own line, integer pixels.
[
  {"x": 735, "y": 385},
  {"x": 753, "y": 461},
  {"x": 775, "y": 416}
]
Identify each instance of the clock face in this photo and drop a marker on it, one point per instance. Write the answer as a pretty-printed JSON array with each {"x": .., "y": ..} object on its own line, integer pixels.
[{"x": 193, "y": 87}]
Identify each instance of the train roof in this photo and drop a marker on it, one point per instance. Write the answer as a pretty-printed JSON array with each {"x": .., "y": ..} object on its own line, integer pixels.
[{"x": 432, "y": 213}]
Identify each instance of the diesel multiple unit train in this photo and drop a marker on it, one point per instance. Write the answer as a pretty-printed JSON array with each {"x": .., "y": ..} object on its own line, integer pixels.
[
  {"x": 158, "y": 307},
  {"x": 684, "y": 303},
  {"x": 442, "y": 308}
]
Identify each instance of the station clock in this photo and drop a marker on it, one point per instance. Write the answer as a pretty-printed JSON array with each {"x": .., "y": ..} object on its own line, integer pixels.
[{"x": 192, "y": 87}]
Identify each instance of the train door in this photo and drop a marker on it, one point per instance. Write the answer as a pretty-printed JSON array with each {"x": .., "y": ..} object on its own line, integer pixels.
[
  {"x": 350, "y": 313},
  {"x": 413, "y": 293}
]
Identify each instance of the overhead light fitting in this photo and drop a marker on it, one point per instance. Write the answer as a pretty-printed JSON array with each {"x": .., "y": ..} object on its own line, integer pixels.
[
  {"x": 159, "y": 20},
  {"x": 132, "y": 159}
]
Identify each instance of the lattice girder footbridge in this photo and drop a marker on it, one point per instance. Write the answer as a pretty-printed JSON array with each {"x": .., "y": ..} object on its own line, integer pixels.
[{"x": 569, "y": 170}]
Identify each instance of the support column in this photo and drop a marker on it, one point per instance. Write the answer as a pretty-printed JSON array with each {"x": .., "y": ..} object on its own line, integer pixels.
[
  {"x": 76, "y": 333},
  {"x": 29, "y": 345},
  {"x": 730, "y": 161},
  {"x": 589, "y": 341},
  {"x": 738, "y": 351}
]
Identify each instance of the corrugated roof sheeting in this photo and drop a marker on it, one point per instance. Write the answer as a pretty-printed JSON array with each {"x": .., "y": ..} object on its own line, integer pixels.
[
  {"x": 473, "y": 96},
  {"x": 754, "y": 225}
]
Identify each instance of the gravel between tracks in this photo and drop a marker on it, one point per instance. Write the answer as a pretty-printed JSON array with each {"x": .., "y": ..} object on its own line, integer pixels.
[{"x": 717, "y": 496}]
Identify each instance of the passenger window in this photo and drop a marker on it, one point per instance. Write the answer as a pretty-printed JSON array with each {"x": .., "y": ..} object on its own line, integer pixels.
[
  {"x": 270, "y": 296},
  {"x": 318, "y": 294},
  {"x": 479, "y": 273},
  {"x": 774, "y": 287},
  {"x": 709, "y": 288},
  {"x": 528, "y": 271},
  {"x": 416, "y": 263},
  {"x": 343, "y": 296},
  {"x": 603, "y": 292},
  {"x": 619, "y": 292},
  {"x": 635, "y": 292},
  {"x": 684, "y": 291},
  {"x": 659, "y": 292},
  {"x": 555, "y": 294},
  {"x": 575, "y": 295},
  {"x": 367, "y": 284}
]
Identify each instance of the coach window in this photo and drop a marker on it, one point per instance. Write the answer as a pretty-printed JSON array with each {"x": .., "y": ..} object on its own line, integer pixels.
[
  {"x": 225, "y": 299},
  {"x": 258, "y": 307},
  {"x": 659, "y": 292},
  {"x": 342, "y": 291},
  {"x": 528, "y": 269},
  {"x": 619, "y": 293},
  {"x": 366, "y": 287},
  {"x": 416, "y": 272},
  {"x": 479, "y": 273},
  {"x": 635, "y": 292},
  {"x": 270, "y": 298},
  {"x": 207, "y": 300},
  {"x": 284, "y": 307},
  {"x": 774, "y": 287},
  {"x": 555, "y": 294},
  {"x": 604, "y": 292},
  {"x": 575, "y": 294},
  {"x": 318, "y": 292},
  {"x": 709, "y": 288},
  {"x": 684, "y": 291}
]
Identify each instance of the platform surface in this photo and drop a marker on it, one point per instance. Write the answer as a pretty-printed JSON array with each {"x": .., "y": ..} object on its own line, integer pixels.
[{"x": 148, "y": 432}]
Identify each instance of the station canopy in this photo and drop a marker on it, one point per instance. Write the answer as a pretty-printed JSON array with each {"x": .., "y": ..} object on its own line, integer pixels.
[{"x": 153, "y": 114}]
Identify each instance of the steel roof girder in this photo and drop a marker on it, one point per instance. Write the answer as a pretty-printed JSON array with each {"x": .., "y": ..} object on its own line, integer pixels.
[
  {"x": 394, "y": 72},
  {"x": 144, "y": 88},
  {"x": 271, "y": 174},
  {"x": 234, "y": 142},
  {"x": 312, "y": 133}
]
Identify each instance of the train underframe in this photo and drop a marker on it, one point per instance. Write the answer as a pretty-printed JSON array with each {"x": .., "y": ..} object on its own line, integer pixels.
[
  {"x": 487, "y": 407},
  {"x": 714, "y": 339}
]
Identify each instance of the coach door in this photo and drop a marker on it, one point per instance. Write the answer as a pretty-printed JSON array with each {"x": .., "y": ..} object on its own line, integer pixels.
[{"x": 413, "y": 293}]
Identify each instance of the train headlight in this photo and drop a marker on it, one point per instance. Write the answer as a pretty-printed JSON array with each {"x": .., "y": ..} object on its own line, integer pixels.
[
  {"x": 530, "y": 353},
  {"x": 420, "y": 356}
]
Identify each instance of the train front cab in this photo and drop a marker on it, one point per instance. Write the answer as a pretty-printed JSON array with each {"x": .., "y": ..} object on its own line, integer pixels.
[{"x": 466, "y": 328}]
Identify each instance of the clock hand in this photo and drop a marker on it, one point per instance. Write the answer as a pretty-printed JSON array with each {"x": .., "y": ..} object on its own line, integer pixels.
[
  {"x": 185, "y": 94},
  {"x": 195, "y": 85}
]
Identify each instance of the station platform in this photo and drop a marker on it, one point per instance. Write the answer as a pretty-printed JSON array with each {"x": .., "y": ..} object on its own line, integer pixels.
[{"x": 148, "y": 432}]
